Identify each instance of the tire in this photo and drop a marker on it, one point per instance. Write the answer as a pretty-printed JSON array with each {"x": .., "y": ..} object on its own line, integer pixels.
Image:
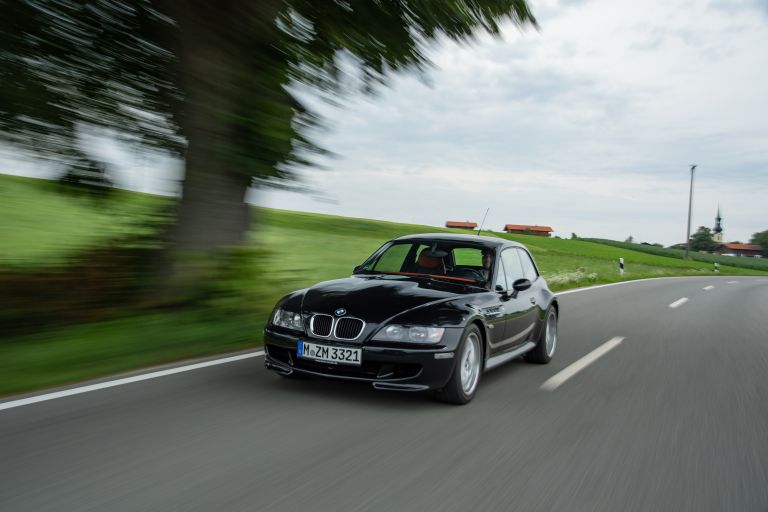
[
  {"x": 546, "y": 345},
  {"x": 465, "y": 379}
]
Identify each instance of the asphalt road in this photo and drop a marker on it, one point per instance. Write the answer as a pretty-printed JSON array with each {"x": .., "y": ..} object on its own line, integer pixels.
[{"x": 674, "y": 417}]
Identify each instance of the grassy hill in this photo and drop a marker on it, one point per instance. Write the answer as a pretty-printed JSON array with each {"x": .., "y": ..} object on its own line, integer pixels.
[
  {"x": 748, "y": 263},
  {"x": 40, "y": 228}
]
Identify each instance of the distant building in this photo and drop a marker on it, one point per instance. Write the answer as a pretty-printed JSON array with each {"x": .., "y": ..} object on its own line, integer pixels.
[
  {"x": 749, "y": 250},
  {"x": 461, "y": 225},
  {"x": 522, "y": 229},
  {"x": 717, "y": 231}
]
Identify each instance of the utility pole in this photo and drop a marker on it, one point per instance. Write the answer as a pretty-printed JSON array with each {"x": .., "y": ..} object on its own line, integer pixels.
[{"x": 690, "y": 205}]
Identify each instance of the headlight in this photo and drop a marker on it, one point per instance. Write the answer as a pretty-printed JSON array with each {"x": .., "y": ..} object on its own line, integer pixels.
[
  {"x": 288, "y": 319},
  {"x": 412, "y": 334}
]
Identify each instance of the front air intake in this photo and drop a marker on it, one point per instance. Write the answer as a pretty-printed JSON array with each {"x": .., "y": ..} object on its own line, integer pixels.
[
  {"x": 321, "y": 325},
  {"x": 348, "y": 328}
]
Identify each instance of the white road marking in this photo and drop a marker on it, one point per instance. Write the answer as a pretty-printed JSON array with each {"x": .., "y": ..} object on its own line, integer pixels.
[
  {"x": 708, "y": 287},
  {"x": 153, "y": 375},
  {"x": 559, "y": 378},
  {"x": 732, "y": 282},
  {"x": 127, "y": 380},
  {"x": 679, "y": 302},
  {"x": 620, "y": 283}
]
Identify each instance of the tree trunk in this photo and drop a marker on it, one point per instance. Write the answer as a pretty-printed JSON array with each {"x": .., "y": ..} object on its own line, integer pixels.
[
  {"x": 215, "y": 39},
  {"x": 212, "y": 213}
]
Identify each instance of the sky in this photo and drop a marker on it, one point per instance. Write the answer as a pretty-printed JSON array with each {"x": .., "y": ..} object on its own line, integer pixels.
[{"x": 587, "y": 125}]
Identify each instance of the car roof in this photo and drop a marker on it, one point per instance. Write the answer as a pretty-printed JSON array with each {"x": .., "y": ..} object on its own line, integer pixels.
[{"x": 485, "y": 241}]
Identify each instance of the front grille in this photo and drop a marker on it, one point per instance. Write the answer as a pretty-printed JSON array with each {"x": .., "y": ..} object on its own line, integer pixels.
[
  {"x": 321, "y": 325},
  {"x": 348, "y": 328}
]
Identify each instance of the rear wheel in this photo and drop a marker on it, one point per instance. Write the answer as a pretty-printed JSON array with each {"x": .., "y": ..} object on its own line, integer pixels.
[
  {"x": 466, "y": 372},
  {"x": 547, "y": 343}
]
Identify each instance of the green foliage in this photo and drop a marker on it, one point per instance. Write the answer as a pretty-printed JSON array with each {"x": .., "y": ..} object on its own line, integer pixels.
[
  {"x": 761, "y": 239},
  {"x": 64, "y": 64},
  {"x": 219, "y": 83},
  {"x": 149, "y": 69},
  {"x": 702, "y": 240}
]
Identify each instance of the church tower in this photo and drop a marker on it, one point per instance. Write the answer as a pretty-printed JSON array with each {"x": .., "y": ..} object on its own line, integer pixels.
[{"x": 717, "y": 233}]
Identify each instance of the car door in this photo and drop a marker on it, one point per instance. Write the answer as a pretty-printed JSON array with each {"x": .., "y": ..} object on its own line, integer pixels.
[
  {"x": 496, "y": 310},
  {"x": 517, "y": 305},
  {"x": 531, "y": 298}
]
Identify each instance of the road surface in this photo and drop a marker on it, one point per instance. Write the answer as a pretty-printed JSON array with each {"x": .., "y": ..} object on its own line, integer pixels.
[{"x": 657, "y": 399}]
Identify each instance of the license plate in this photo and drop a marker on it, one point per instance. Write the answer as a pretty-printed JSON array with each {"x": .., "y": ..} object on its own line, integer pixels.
[{"x": 327, "y": 354}]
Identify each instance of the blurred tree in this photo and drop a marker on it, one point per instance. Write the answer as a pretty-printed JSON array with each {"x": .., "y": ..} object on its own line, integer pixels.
[
  {"x": 89, "y": 177},
  {"x": 761, "y": 239},
  {"x": 630, "y": 239},
  {"x": 213, "y": 82},
  {"x": 702, "y": 240}
]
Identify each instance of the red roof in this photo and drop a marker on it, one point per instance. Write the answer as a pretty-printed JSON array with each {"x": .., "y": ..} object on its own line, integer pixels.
[
  {"x": 743, "y": 247},
  {"x": 523, "y": 227},
  {"x": 457, "y": 224}
]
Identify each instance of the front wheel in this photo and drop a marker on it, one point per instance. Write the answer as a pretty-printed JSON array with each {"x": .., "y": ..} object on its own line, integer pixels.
[
  {"x": 466, "y": 372},
  {"x": 547, "y": 343}
]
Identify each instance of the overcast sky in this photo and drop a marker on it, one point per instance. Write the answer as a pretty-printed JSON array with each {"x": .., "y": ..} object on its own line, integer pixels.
[{"x": 588, "y": 125}]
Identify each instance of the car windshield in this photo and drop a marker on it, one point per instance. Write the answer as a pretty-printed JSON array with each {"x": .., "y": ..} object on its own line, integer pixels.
[{"x": 439, "y": 259}]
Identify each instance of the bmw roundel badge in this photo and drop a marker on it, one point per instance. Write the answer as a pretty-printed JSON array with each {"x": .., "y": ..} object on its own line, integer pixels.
[{"x": 340, "y": 312}]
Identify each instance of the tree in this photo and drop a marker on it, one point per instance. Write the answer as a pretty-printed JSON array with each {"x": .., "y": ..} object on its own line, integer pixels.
[
  {"x": 630, "y": 239},
  {"x": 761, "y": 239},
  {"x": 702, "y": 240},
  {"x": 213, "y": 82},
  {"x": 574, "y": 236}
]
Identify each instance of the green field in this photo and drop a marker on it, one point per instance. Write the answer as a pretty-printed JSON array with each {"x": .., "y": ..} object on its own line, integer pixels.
[
  {"x": 741, "y": 262},
  {"x": 40, "y": 227}
]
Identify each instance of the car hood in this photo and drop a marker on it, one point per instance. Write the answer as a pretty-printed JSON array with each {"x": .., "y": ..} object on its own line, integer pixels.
[{"x": 377, "y": 298}]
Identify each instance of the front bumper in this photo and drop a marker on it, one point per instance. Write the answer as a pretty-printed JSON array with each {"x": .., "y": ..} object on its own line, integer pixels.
[{"x": 385, "y": 367}]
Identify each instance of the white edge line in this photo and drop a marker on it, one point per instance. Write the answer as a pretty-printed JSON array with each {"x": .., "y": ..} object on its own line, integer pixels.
[
  {"x": 127, "y": 380},
  {"x": 679, "y": 302},
  {"x": 644, "y": 280},
  {"x": 708, "y": 287},
  {"x": 162, "y": 373},
  {"x": 569, "y": 371},
  {"x": 617, "y": 283}
]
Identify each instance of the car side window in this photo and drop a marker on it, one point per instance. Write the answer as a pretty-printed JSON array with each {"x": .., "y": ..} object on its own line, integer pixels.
[
  {"x": 529, "y": 269},
  {"x": 513, "y": 269},
  {"x": 501, "y": 278},
  {"x": 392, "y": 259}
]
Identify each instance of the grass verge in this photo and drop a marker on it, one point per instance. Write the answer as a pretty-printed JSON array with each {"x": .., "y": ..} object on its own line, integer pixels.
[{"x": 295, "y": 249}]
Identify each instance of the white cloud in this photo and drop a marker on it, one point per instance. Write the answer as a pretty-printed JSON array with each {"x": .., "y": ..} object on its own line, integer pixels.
[{"x": 587, "y": 125}]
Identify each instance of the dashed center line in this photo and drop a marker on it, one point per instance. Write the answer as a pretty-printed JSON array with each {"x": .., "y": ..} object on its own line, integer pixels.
[
  {"x": 559, "y": 378},
  {"x": 732, "y": 282},
  {"x": 708, "y": 287},
  {"x": 678, "y": 303}
]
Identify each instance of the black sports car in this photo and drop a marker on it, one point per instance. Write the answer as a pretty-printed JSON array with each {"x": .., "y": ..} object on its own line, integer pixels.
[{"x": 423, "y": 312}]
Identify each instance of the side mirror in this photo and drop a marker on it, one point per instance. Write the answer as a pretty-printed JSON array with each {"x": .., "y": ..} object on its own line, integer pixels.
[
  {"x": 503, "y": 294},
  {"x": 357, "y": 269},
  {"x": 521, "y": 284}
]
